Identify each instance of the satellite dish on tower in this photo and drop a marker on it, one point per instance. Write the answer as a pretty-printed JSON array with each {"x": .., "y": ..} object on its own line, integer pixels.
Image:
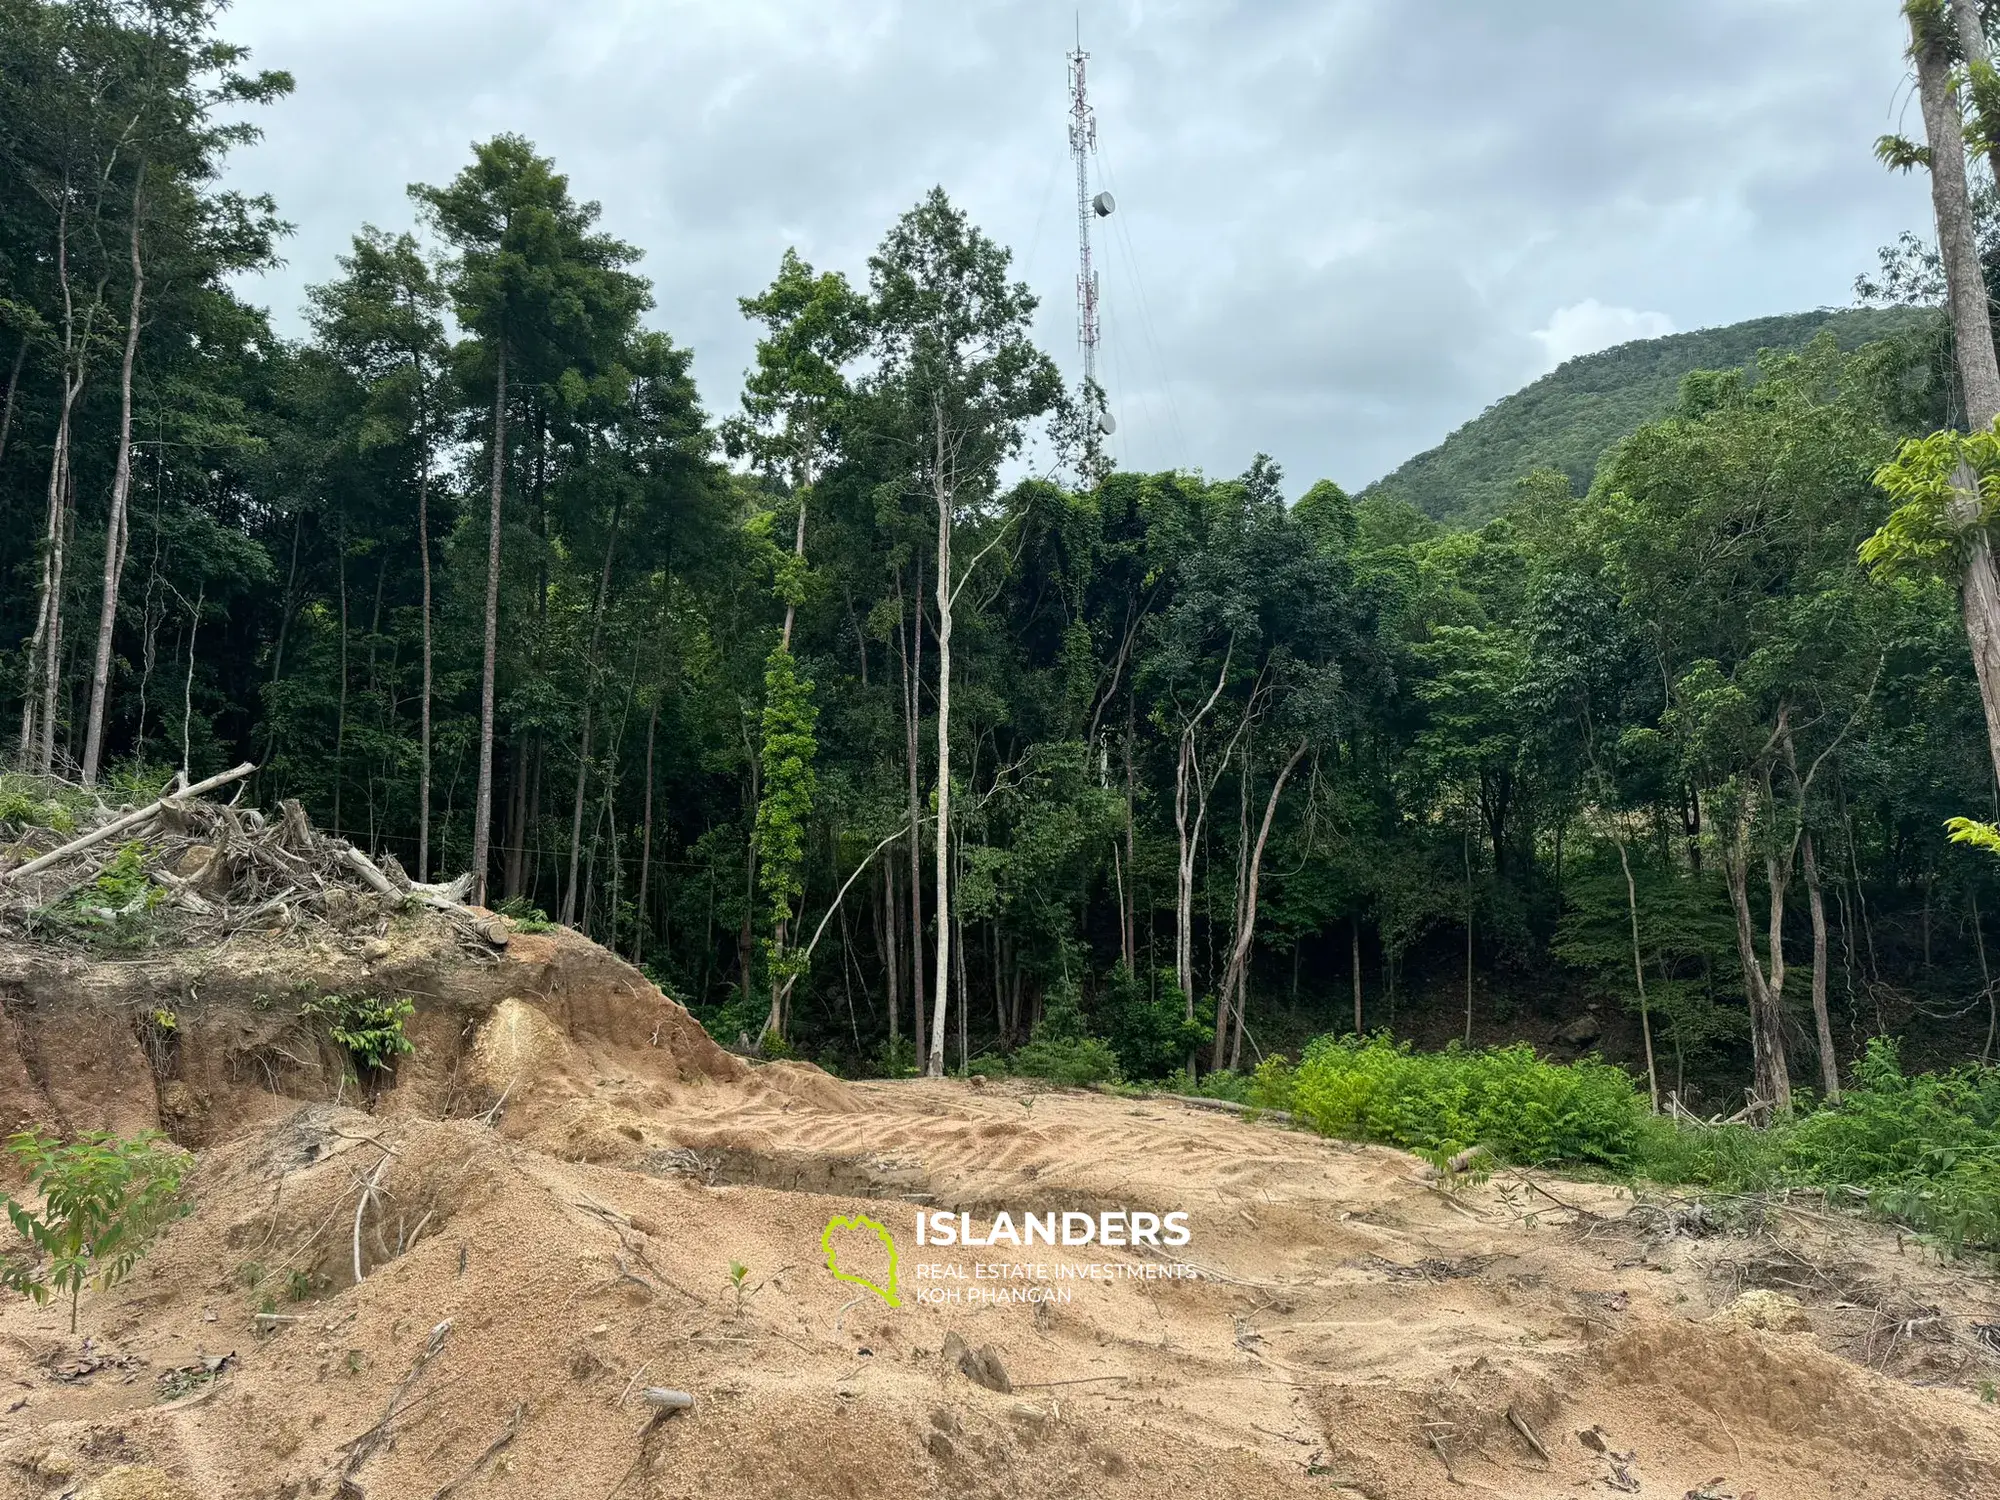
[
  {"x": 1106, "y": 423},
  {"x": 1104, "y": 205}
]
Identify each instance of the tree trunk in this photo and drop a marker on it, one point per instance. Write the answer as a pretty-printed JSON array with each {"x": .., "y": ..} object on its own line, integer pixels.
[
  {"x": 340, "y": 709},
  {"x": 639, "y": 919},
  {"x": 1236, "y": 981},
  {"x": 913, "y": 667},
  {"x": 115, "y": 527},
  {"x": 1467, "y": 850},
  {"x": 1773, "y": 1084},
  {"x": 1188, "y": 781},
  {"x": 892, "y": 956},
  {"x": 45, "y": 646},
  {"x": 798, "y": 551},
  {"x": 1979, "y": 63},
  {"x": 424, "y": 730},
  {"x": 482, "y": 810},
  {"x": 1128, "y": 917},
  {"x": 1972, "y": 336},
  {"x": 1965, "y": 284},
  {"x": 589, "y": 706},
  {"x": 13, "y": 385},
  {"x": 941, "y": 899},
  {"x": 1225, "y": 989},
  {"x": 1986, "y": 978},
  {"x": 1354, "y": 966},
  {"x": 1829, "y": 1059},
  {"x": 1639, "y": 975}
]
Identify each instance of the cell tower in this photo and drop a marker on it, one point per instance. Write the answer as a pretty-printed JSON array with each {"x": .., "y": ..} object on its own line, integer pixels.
[{"x": 1082, "y": 146}]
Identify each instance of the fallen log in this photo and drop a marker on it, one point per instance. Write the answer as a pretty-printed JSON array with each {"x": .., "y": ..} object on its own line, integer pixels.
[
  {"x": 492, "y": 929},
  {"x": 121, "y": 825}
]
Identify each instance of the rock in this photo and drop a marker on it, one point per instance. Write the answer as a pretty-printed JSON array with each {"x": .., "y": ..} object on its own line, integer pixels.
[
  {"x": 1773, "y": 1311},
  {"x": 1581, "y": 1032},
  {"x": 981, "y": 1366}
]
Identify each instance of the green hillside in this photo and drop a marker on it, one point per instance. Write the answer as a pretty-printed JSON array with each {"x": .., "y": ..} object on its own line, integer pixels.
[{"x": 1570, "y": 416}]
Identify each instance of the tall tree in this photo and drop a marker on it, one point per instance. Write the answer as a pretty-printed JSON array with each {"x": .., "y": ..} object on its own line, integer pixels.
[
  {"x": 548, "y": 301},
  {"x": 960, "y": 379}
]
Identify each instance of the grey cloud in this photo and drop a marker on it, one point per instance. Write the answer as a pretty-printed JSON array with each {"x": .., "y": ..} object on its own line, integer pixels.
[{"x": 1347, "y": 218}]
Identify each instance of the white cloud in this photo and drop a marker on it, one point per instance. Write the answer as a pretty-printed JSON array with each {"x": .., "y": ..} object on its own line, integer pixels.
[{"x": 1587, "y": 326}]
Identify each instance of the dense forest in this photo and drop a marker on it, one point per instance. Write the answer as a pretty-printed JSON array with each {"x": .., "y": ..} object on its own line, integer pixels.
[
  {"x": 1568, "y": 419},
  {"x": 878, "y": 747}
]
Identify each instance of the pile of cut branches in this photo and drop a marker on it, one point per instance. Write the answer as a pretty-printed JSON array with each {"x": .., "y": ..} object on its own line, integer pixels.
[{"x": 191, "y": 868}]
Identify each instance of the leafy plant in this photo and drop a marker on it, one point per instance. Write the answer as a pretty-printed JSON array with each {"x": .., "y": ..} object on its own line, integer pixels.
[
  {"x": 104, "y": 1198},
  {"x": 525, "y": 915},
  {"x": 1505, "y": 1098},
  {"x": 370, "y": 1027}
]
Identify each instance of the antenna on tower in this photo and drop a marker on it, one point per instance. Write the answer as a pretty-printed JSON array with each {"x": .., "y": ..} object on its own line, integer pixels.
[{"x": 1097, "y": 421}]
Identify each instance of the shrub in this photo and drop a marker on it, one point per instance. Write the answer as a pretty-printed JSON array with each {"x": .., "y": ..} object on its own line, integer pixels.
[
  {"x": 104, "y": 1198},
  {"x": 1154, "y": 1038},
  {"x": 1926, "y": 1148},
  {"x": 1077, "y": 1061},
  {"x": 1505, "y": 1098},
  {"x": 1062, "y": 1050},
  {"x": 526, "y": 916},
  {"x": 368, "y": 1026}
]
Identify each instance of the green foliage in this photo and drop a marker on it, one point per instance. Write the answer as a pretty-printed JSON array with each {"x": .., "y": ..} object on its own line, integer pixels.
[
  {"x": 1503, "y": 1098},
  {"x": 370, "y": 1027},
  {"x": 1933, "y": 518},
  {"x": 525, "y": 915},
  {"x": 1075, "y": 1061},
  {"x": 898, "y": 1059},
  {"x": 1922, "y": 1150},
  {"x": 25, "y": 802},
  {"x": 1925, "y": 1147},
  {"x": 104, "y": 1198},
  {"x": 1974, "y": 834},
  {"x": 114, "y": 910},
  {"x": 1152, "y": 1037},
  {"x": 1061, "y": 1049},
  {"x": 786, "y": 810},
  {"x": 1570, "y": 418}
]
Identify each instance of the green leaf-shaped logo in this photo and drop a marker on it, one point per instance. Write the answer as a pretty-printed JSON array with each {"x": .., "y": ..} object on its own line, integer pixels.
[{"x": 860, "y": 1221}]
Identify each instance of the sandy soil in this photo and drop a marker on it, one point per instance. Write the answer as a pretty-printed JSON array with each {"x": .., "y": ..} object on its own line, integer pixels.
[{"x": 564, "y": 1175}]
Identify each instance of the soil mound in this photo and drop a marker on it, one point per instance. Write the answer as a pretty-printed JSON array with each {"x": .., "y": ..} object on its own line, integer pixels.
[
  {"x": 497, "y": 1263},
  {"x": 384, "y": 1301}
]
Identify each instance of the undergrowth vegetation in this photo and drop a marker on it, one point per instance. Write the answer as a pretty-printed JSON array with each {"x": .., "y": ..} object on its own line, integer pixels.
[{"x": 1922, "y": 1150}]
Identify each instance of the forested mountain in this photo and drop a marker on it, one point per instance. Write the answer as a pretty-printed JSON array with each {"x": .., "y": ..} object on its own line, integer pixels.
[
  {"x": 1567, "y": 419},
  {"x": 784, "y": 693}
]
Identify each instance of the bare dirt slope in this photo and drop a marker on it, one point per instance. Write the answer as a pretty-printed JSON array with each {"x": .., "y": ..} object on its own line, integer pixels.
[{"x": 567, "y": 1167}]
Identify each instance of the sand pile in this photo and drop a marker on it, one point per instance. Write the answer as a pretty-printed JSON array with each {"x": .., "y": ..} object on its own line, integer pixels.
[{"x": 465, "y": 1278}]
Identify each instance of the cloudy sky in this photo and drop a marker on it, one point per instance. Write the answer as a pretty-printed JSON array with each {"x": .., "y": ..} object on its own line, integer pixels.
[{"x": 1344, "y": 226}]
